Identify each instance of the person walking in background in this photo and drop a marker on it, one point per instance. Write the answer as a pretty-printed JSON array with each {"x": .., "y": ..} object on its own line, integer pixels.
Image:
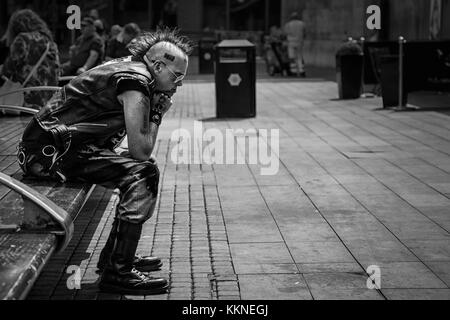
[
  {"x": 295, "y": 32},
  {"x": 33, "y": 57},
  {"x": 117, "y": 47},
  {"x": 87, "y": 52}
]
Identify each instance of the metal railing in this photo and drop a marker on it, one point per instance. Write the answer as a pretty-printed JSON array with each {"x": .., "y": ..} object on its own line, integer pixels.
[
  {"x": 58, "y": 215},
  {"x": 23, "y": 90}
]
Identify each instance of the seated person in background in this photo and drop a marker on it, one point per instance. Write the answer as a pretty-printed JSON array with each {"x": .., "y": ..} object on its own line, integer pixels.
[
  {"x": 117, "y": 47},
  {"x": 87, "y": 51},
  {"x": 100, "y": 29},
  {"x": 3, "y": 51},
  {"x": 28, "y": 37},
  {"x": 115, "y": 31}
]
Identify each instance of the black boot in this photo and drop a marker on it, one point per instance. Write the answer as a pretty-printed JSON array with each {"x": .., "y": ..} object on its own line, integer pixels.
[
  {"x": 119, "y": 275},
  {"x": 141, "y": 263}
]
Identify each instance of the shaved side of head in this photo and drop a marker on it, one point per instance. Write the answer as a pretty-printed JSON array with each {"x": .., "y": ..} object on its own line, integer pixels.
[{"x": 167, "y": 52}]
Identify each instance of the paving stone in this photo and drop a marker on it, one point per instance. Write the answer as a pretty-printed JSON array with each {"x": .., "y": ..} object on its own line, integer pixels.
[
  {"x": 362, "y": 230},
  {"x": 273, "y": 286},
  {"x": 346, "y": 294},
  {"x": 378, "y": 251},
  {"x": 430, "y": 250},
  {"x": 346, "y": 267},
  {"x": 407, "y": 275},
  {"x": 304, "y": 232},
  {"x": 441, "y": 269},
  {"x": 264, "y": 268},
  {"x": 253, "y": 232},
  {"x": 317, "y": 252},
  {"x": 335, "y": 281},
  {"x": 423, "y": 230},
  {"x": 244, "y": 253},
  {"x": 417, "y": 294}
]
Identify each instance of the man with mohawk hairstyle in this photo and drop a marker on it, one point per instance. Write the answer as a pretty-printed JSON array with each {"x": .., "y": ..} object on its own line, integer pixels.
[{"x": 75, "y": 136}]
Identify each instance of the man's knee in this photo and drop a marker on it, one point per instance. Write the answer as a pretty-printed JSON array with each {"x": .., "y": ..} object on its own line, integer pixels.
[
  {"x": 151, "y": 175},
  {"x": 148, "y": 174},
  {"x": 139, "y": 194}
]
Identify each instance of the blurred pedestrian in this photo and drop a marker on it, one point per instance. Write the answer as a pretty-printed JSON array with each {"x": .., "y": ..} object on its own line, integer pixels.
[
  {"x": 295, "y": 32},
  {"x": 3, "y": 50},
  {"x": 33, "y": 57},
  {"x": 87, "y": 52},
  {"x": 115, "y": 31},
  {"x": 100, "y": 29},
  {"x": 276, "y": 53},
  {"x": 117, "y": 47}
]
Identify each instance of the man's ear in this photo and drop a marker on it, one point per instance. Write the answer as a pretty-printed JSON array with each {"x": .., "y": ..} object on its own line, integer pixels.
[{"x": 157, "y": 66}]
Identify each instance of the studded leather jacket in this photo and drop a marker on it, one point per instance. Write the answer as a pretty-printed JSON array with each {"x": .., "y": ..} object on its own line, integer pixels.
[{"x": 85, "y": 111}]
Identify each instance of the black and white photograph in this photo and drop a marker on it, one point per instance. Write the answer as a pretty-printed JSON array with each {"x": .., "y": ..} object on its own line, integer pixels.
[{"x": 224, "y": 156}]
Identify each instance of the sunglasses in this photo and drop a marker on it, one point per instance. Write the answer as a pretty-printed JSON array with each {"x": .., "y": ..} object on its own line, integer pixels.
[{"x": 178, "y": 78}]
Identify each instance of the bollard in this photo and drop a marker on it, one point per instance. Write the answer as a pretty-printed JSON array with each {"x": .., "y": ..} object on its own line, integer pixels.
[
  {"x": 401, "y": 42},
  {"x": 363, "y": 40},
  {"x": 401, "y": 64},
  {"x": 364, "y": 94}
]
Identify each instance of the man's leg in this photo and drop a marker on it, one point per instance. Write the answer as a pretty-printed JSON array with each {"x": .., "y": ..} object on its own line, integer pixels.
[
  {"x": 141, "y": 263},
  {"x": 138, "y": 185}
]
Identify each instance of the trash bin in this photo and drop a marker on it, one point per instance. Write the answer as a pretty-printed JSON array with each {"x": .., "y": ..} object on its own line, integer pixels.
[
  {"x": 206, "y": 55},
  {"x": 235, "y": 79}
]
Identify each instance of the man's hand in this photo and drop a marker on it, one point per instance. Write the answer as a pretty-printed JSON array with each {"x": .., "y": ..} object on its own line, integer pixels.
[
  {"x": 162, "y": 102},
  {"x": 81, "y": 71},
  {"x": 153, "y": 160}
]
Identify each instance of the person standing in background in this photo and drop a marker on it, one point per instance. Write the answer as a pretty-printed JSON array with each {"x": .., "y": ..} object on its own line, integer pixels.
[{"x": 295, "y": 32}]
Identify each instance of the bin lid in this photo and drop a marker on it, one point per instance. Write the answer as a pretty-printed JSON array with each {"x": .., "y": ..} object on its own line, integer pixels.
[{"x": 235, "y": 43}]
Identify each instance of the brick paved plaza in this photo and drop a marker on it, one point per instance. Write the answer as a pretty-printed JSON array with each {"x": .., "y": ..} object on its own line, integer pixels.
[{"x": 357, "y": 186}]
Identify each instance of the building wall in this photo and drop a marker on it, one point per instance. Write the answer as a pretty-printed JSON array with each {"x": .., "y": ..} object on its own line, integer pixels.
[
  {"x": 445, "y": 20},
  {"x": 329, "y": 22},
  {"x": 190, "y": 14},
  {"x": 411, "y": 19}
]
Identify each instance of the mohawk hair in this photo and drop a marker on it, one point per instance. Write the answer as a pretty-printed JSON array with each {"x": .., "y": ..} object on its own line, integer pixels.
[{"x": 140, "y": 46}]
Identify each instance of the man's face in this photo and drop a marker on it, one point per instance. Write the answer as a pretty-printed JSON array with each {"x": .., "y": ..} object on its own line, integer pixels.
[{"x": 169, "y": 72}]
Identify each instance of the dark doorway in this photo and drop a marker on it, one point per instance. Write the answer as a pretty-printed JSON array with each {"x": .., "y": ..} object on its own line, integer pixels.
[
  {"x": 242, "y": 15},
  {"x": 165, "y": 13}
]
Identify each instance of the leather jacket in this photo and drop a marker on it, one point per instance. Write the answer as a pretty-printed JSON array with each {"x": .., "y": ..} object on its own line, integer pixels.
[{"x": 85, "y": 111}]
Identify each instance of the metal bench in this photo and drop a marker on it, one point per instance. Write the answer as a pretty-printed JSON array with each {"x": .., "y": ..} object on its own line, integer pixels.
[{"x": 36, "y": 217}]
